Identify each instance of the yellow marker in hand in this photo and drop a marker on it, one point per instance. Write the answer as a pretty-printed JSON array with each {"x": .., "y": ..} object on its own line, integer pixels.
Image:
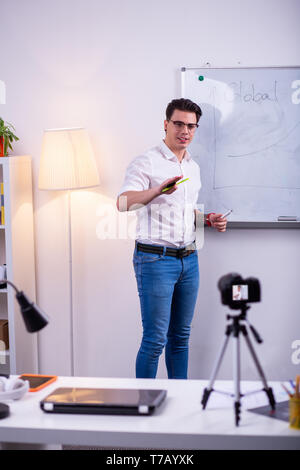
[{"x": 173, "y": 184}]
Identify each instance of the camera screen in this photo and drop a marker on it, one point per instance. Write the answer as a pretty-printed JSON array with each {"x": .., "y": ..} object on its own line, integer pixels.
[{"x": 240, "y": 292}]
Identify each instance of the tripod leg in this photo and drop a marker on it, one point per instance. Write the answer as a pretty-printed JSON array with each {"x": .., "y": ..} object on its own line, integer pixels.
[
  {"x": 207, "y": 391},
  {"x": 237, "y": 378},
  {"x": 266, "y": 388}
]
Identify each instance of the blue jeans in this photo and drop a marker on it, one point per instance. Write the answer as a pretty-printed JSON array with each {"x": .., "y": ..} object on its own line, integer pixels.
[{"x": 168, "y": 289}]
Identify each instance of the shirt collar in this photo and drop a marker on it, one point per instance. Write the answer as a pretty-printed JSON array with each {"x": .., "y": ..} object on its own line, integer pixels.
[{"x": 169, "y": 154}]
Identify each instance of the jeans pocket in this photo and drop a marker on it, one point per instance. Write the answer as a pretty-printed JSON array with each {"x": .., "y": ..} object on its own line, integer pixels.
[
  {"x": 149, "y": 257},
  {"x": 138, "y": 274}
]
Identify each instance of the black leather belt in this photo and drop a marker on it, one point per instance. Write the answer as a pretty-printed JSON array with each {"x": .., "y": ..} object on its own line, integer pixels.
[{"x": 176, "y": 252}]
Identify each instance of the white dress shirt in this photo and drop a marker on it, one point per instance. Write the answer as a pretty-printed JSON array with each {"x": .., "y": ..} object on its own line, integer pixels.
[{"x": 169, "y": 218}]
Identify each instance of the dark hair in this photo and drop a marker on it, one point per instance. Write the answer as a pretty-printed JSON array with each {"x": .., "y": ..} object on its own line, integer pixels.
[{"x": 183, "y": 104}]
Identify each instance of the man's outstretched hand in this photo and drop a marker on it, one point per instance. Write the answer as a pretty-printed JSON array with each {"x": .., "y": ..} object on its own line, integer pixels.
[{"x": 168, "y": 182}]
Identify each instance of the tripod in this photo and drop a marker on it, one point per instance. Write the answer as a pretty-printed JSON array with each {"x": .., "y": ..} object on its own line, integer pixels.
[{"x": 234, "y": 328}]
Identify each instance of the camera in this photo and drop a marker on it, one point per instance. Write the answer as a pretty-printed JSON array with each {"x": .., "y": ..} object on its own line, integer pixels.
[{"x": 236, "y": 291}]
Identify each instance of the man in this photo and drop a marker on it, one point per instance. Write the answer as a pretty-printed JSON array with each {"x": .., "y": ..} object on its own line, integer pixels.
[
  {"x": 237, "y": 293},
  {"x": 165, "y": 260}
]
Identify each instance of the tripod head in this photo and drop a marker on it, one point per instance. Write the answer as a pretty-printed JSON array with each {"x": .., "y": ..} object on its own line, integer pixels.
[
  {"x": 242, "y": 315},
  {"x": 236, "y": 319}
]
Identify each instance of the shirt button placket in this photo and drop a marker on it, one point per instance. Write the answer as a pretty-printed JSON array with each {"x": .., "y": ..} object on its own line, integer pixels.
[{"x": 185, "y": 201}]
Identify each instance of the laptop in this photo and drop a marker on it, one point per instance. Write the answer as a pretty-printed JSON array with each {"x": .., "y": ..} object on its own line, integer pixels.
[{"x": 79, "y": 400}]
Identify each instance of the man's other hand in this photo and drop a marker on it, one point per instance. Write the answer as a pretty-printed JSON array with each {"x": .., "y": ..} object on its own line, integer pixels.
[{"x": 217, "y": 222}]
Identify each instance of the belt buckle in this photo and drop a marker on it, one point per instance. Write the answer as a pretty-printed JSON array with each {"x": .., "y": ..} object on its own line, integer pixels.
[
  {"x": 186, "y": 251},
  {"x": 181, "y": 253}
]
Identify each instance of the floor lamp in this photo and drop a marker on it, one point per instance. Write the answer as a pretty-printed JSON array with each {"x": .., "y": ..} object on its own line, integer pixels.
[{"x": 68, "y": 163}]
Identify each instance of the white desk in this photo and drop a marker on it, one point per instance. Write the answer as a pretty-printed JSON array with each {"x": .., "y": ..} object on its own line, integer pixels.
[{"x": 180, "y": 422}]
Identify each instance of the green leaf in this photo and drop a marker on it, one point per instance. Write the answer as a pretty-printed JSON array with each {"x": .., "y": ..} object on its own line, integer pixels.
[
  {"x": 7, "y": 134},
  {"x": 5, "y": 146}
]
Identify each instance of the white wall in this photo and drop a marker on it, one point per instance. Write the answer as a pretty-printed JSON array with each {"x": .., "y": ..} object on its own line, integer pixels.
[{"x": 112, "y": 67}]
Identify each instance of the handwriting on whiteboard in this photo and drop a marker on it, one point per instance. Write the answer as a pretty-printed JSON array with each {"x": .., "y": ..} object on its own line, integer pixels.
[{"x": 251, "y": 93}]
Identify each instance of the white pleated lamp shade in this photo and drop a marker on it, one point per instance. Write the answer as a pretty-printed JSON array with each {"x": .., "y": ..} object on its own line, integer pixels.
[{"x": 67, "y": 160}]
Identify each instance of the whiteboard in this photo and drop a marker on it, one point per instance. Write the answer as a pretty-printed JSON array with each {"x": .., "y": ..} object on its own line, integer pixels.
[{"x": 248, "y": 140}]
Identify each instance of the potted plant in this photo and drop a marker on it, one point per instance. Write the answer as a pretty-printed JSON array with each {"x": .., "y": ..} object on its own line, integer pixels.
[{"x": 6, "y": 137}]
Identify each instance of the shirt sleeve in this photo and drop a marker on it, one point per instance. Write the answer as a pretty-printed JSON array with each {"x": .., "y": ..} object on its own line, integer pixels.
[{"x": 137, "y": 176}]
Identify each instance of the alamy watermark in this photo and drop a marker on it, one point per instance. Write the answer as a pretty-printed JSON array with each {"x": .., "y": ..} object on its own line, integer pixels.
[
  {"x": 151, "y": 222},
  {"x": 2, "y": 92},
  {"x": 296, "y": 353},
  {"x": 296, "y": 93}
]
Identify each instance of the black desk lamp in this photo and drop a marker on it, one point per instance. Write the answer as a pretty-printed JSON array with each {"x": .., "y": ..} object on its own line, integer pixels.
[
  {"x": 34, "y": 320},
  {"x": 33, "y": 317}
]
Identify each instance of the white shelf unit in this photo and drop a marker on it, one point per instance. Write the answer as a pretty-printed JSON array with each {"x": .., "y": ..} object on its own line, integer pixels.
[{"x": 17, "y": 251}]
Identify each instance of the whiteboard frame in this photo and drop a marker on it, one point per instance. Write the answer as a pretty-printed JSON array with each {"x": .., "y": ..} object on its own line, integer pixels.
[{"x": 245, "y": 224}]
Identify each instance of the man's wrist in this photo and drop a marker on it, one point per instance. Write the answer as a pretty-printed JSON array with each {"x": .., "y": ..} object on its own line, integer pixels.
[
  {"x": 156, "y": 191},
  {"x": 207, "y": 218}
]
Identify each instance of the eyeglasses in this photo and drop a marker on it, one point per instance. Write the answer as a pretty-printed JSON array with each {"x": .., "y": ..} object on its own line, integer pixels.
[{"x": 180, "y": 125}]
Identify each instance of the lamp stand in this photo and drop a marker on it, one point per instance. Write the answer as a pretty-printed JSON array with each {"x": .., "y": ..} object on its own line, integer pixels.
[{"x": 71, "y": 285}]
